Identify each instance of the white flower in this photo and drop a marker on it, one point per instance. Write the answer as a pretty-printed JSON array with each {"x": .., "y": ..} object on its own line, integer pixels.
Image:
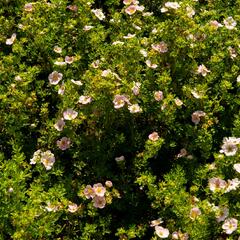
[
  {"x": 51, "y": 208},
  {"x": 72, "y": 208},
  {"x": 47, "y": 159},
  {"x": 158, "y": 96},
  {"x": 99, "y": 14},
  {"x": 145, "y": 53},
  {"x": 153, "y": 136},
  {"x": 172, "y": 5},
  {"x": 79, "y": 83},
  {"x": 221, "y": 213},
  {"x": 136, "y": 88},
  {"x": 230, "y": 23},
  {"x": 197, "y": 94},
  {"x": 156, "y": 222},
  {"x": 147, "y": 14},
  {"x": 190, "y": 12},
  {"x": 55, "y": 77},
  {"x": 117, "y": 43},
  {"x": 60, "y": 63},
  {"x": 106, "y": 73},
  {"x": 215, "y": 24},
  {"x": 232, "y": 184},
  {"x": 69, "y": 59},
  {"x": 57, "y": 49},
  {"x": 95, "y": 64},
  {"x": 216, "y": 184},
  {"x": 151, "y": 65},
  {"x": 196, "y": 116},
  {"x": 11, "y": 40},
  {"x": 202, "y": 70},
  {"x": 136, "y": 27},
  {"x": 237, "y": 167},
  {"x": 59, "y": 125},
  {"x": 70, "y": 114},
  {"x": 230, "y": 225},
  {"x": 61, "y": 90},
  {"x": 229, "y": 147},
  {"x": 160, "y": 47},
  {"x": 64, "y": 143},
  {"x": 36, "y": 157},
  {"x": 195, "y": 212},
  {"x": 87, "y": 28},
  {"x": 119, "y": 159},
  {"x": 135, "y": 108},
  {"x": 178, "y": 102},
  {"x": 84, "y": 99},
  {"x": 129, "y": 36},
  {"x": 161, "y": 232},
  {"x": 99, "y": 189},
  {"x": 119, "y": 101}
]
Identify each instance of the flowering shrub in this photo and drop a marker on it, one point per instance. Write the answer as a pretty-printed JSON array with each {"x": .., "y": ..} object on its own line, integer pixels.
[{"x": 119, "y": 119}]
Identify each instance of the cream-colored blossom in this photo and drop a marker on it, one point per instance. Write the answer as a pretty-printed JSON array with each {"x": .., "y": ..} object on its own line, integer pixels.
[
  {"x": 145, "y": 53},
  {"x": 160, "y": 47},
  {"x": 161, "y": 232},
  {"x": 128, "y": 2},
  {"x": 230, "y": 225},
  {"x": 134, "y": 108},
  {"x": 215, "y": 24},
  {"x": 95, "y": 64},
  {"x": 131, "y": 9},
  {"x": 230, "y": 23},
  {"x": 89, "y": 192},
  {"x": 84, "y": 99},
  {"x": 87, "y": 28},
  {"x": 36, "y": 157},
  {"x": 221, "y": 213},
  {"x": 119, "y": 159},
  {"x": 203, "y": 70},
  {"x": 99, "y": 202},
  {"x": 136, "y": 88},
  {"x": 59, "y": 124},
  {"x": 237, "y": 167},
  {"x": 57, "y": 49},
  {"x": 156, "y": 222},
  {"x": 28, "y": 7},
  {"x": 229, "y": 147},
  {"x": 158, "y": 95},
  {"x": 11, "y": 40},
  {"x": 151, "y": 65},
  {"x": 178, "y": 102},
  {"x": 119, "y": 101},
  {"x": 195, "y": 212},
  {"x": 99, "y": 189},
  {"x": 232, "y": 184},
  {"x": 70, "y": 114},
  {"x": 197, "y": 115},
  {"x": 118, "y": 43},
  {"x": 47, "y": 159},
  {"x": 61, "y": 89},
  {"x": 64, "y": 143},
  {"x": 72, "y": 207},
  {"x": 153, "y": 136},
  {"x": 190, "y": 11},
  {"x": 69, "y": 59},
  {"x": 129, "y": 36},
  {"x": 99, "y": 14},
  {"x": 108, "y": 184},
  {"x": 55, "y": 77},
  {"x": 79, "y": 83},
  {"x": 216, "y": 184}
]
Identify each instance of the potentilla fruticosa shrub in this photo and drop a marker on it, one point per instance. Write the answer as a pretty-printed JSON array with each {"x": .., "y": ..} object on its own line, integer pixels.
[{"x": 119, "y": 119}]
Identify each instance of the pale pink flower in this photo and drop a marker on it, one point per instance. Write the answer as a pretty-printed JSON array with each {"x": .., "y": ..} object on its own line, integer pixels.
[
  {"x": 64, "y": 143},
  {"x": 202, "y": 70},
  {"x": 156, "y": 222},
  {"x": 70, "y": 114},
  {"x": 131, "y": 9},
  {"x": 172, "y": 5},
  {"x": 230, "y": 225},
  {"x": 106, "y": 73},
  {"x": 73, "y": 8},
  {"x": 196, "y": 116},
  {"x": 59, "y": 124},
  {"x": 79, "y": 83},
  {"x": 145, "y": 53},
  {"x": 140, "y": 8},
  {"x": 69, "y": 59},
  {"x": 215, "y": 24},
  {"x": 99, "y": 189},
  {"x": 237, "y": 167},
  {"x": 183, "y": 153},
  {"x": 136, "y": 88},
  {"x": 84, "y": 100},
  {"x": 60, "y": 63},
  {"x": 61, "y": 90},
  {"x": 216, "y": 184},
  {"x": 151, "y": 65},
  {"x": 28, "y": 7},
  {"x": 57, "y": 49},
  {"x": 229, "y": 147},
  {"x": 36, "y": 157},
  {"x": 197, "y": 94},
  {"x": 158, "y": 96},
  {"x": 55, "y": 77},
  {"x": 221, "y": 213},
  {"x": 89, "y": 192},
  {"x": 136, "y": 27},
  {"x": 51, "y": 208},
  {"x": 95, "y": 64},
  {"x": 72, "y": 207},
  {"x": 175, "y": 235},
  {"x": 119, "y": 101},
  {"x": 195, "y": 212},
  {"x": 190, "y": 12},
  {"x": 129, "y": 36},
  {"x": 178, "y": 102},
  {"x": 11, "y": 40},
  {"x": 99, "y": 202},
  {"x": 135, "y": 108},
  {"x": 87, "y": 27},
  {"x": 108, "y": 184},
  {"x": 47, "y": 159},
  {"x": 161, "y": 232},
  {"x": 232, "y": 184},
  {"x": 128, "y": 2},
  {"x": 230, "y": 23},
  {"x": 119, "y": 159},
  {"x": 153, "y": 136},
  {"x": 99, "y": 14},
  {"x": 160, "y": 47}
]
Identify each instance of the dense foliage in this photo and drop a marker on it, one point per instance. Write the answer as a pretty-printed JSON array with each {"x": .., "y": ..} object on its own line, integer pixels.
[{"x": 119, "y": 119}]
